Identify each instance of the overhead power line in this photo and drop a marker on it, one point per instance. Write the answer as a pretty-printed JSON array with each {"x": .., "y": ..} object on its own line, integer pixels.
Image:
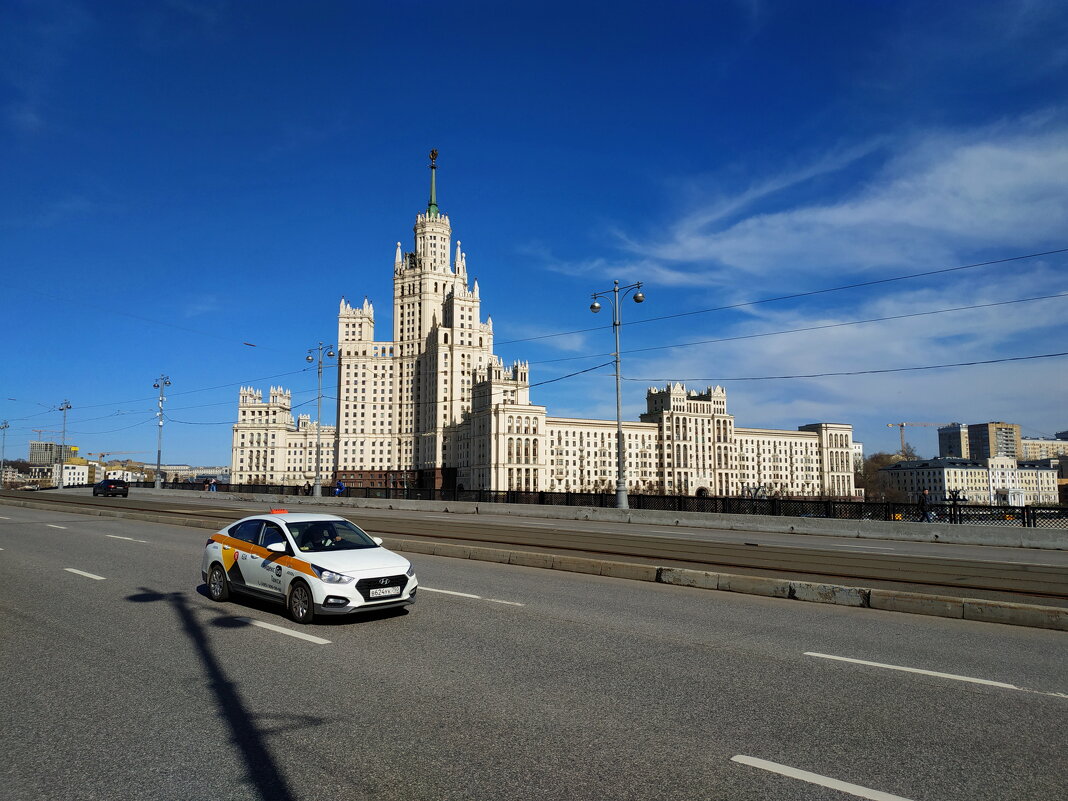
[
  {"x": 796, "y": 295},
  {"x": 809, "y": 328},
  {"x": 858, "y": 372}
]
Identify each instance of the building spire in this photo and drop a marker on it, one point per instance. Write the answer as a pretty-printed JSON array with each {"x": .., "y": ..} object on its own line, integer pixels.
[{"x": 432, "y": 206}]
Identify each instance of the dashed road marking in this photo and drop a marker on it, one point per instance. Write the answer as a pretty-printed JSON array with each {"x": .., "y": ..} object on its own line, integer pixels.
[
  {"x": 935, "y": 673},
  {"x": 470, "y": 595},
  {"x": 52, "y": 526},
  {"x": 451, "y": 592},
  {"x": 83, "y": 573},
  {"x": 300, "y": 635},
  {"x": 129, "y": 539},
  {"x": 815, "y": 778}
]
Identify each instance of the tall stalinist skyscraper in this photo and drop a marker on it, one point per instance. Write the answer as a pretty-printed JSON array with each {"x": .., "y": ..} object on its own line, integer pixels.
[
  {"x": 433, "y": 407},
  {"x": 397, "y": 399}
]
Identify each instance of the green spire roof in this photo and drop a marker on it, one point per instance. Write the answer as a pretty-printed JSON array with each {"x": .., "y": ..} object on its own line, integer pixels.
[{"x": 432, "y": 206}]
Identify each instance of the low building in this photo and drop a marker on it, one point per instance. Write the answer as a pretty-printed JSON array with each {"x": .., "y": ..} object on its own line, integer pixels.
[
  {"x": 74, "y": 475},
  {"x": 996, "y": 481}
]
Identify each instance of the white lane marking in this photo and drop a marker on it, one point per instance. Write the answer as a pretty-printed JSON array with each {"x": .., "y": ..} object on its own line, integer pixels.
[
  {"x": 4, "y": 518},
  {"x": 469, "y": 595},
  {"x": 51, "y": 526},
  {"x": 815, "y": 778},
  {"x": 83, "y": 573},
  {"x": 935, "y": 673},
  {"x": 300, "y": 635},
  {"x": 450, "y": 592},
  {"x": 117, "y": 537}
]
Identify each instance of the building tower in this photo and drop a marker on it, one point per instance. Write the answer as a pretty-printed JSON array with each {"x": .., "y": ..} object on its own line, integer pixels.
[{"x": 398, "y": 400}]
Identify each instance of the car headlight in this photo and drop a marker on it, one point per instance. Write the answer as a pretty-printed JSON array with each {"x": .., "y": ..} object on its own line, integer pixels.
[
  {"x": 329, "y": 576},
  {"x": 410, "y": 572}
]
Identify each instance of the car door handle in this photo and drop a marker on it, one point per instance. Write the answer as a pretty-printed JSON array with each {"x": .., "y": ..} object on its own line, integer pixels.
[{"x": 226, "y": 547}]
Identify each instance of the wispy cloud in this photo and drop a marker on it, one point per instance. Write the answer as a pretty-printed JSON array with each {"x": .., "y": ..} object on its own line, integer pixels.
[
  {"x": 201, "y": 305},
  {"x": 940, "y": 195}
]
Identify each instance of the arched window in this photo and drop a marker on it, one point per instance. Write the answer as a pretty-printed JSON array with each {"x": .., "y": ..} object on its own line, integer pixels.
[{"x": 511, "y": 449}]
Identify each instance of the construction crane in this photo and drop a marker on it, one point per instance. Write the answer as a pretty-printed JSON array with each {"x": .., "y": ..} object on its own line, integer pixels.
[
  {"x": 104, "y": 454},
  {"x": 901, "y": 428}
]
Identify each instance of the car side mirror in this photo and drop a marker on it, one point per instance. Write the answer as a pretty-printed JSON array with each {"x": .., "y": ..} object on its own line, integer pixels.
[
  {"x": 378, "y": 540},
  {"x": 277, "y": 547}
]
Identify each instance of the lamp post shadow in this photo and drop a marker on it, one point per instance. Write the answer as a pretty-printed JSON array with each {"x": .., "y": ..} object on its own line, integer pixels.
[{"x": 262, "y": 771}]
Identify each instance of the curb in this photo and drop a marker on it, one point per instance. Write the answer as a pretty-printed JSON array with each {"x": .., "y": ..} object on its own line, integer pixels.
[{"x": 1005, "y": 612}]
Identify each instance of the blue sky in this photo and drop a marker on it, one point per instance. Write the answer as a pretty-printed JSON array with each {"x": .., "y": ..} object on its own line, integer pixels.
[{"x": 184, "y": 177}]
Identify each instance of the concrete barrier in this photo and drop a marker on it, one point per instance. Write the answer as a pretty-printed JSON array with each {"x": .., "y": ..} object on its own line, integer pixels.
[
  {"x": 1041, "y": 617},
  {"x": 916, "y": 603},
  {"x": 1010, "y": 537},
  {"x": 829, "y": 593}
]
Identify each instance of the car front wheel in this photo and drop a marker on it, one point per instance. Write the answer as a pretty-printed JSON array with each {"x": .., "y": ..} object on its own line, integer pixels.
[
  {"x": 300, "y": 603},
  {"x": 218, "y": 585}
]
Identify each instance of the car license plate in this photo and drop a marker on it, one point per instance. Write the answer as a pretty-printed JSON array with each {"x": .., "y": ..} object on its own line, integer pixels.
[{"x": 382, "y": 592}]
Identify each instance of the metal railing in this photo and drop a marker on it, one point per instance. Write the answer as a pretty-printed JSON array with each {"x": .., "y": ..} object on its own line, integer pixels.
[{"x": 831, "y": 508}]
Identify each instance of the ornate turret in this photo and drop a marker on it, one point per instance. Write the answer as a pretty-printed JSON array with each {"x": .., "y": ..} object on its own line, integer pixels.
[{"x": 356, "y": 324}]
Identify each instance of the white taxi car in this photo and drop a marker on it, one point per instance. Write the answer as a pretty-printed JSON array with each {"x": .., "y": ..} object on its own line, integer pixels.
[{"x": 315, "y": 564}]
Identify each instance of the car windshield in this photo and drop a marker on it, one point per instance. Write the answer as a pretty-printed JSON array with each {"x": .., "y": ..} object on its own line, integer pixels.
[{"x": 313, "y": 536}]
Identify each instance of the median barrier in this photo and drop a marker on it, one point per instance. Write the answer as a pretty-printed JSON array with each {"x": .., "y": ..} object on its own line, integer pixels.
[{"x": 916, "y": 603}]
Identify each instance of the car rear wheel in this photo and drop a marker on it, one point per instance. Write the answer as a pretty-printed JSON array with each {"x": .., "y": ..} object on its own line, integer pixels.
[
  {"x": 300, "y": 603},
  {"x": 218, "y": 584}
]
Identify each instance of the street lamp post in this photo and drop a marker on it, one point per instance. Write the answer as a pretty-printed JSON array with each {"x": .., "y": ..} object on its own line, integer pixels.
[
  {"x": 4, "y": 426},
  {"x": 317, "y": 488},
  {"x": 162, "y": 382},
  {"x": 63, "y": 407},
  {"x": 621, "y": 476}
]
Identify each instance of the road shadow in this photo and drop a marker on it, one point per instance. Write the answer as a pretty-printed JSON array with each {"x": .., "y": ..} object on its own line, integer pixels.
[
  {"x": 262, "y": 771},
  {"x": 275, "y": 608}
]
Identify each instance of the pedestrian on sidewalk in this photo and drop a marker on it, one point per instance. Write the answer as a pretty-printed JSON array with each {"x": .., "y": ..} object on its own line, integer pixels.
[{"x": 925, "y": 510}]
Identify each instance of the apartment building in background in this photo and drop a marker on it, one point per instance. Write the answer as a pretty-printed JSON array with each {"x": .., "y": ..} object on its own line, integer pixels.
[{"x": 998, "y": 480}]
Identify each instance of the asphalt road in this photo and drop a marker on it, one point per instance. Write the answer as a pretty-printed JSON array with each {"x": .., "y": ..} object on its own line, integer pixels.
[{"x": 123, "y": 681}]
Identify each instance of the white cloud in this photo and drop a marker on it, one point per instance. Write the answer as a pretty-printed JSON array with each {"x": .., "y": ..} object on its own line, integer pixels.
[{"x": 940, "y": 196}]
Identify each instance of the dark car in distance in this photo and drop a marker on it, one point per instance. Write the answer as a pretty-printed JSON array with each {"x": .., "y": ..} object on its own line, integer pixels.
[{"x": 112, "y": 486}]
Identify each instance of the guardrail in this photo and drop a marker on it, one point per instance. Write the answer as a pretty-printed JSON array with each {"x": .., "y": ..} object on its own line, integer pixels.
[{"x": 832, "y": 508}]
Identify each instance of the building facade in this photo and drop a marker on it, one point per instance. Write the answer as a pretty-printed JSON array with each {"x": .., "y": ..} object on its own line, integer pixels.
[
  {"x": 434, "y": 407},
  {"x": 1034, "y": 448},
  {"x": 999, "y": 480},
  {"x": 953, "y": 441},
  {"x": 270, "y": 447},
  {"x": 988, "y": 440},
  {"x": 43, "y": 453}
]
